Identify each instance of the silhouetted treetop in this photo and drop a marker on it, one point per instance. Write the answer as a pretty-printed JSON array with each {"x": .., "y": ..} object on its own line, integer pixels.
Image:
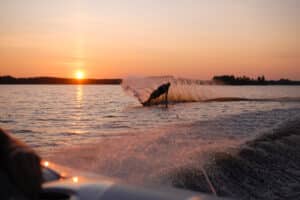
[{"x": 244, "y": 80}]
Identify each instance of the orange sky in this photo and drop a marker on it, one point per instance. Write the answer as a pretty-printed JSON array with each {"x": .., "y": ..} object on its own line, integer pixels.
[{"x": 119, "y": 38}]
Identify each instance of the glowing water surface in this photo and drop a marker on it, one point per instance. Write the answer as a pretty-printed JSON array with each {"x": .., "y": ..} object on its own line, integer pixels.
[{"x": 49, "y": 116}]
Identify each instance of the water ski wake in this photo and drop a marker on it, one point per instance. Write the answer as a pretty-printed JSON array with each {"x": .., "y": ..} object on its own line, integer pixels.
[
  {"x": 183, "y": 155},
  {"x": 267, "y": 167},
  {"x": 161, "y": 90}
]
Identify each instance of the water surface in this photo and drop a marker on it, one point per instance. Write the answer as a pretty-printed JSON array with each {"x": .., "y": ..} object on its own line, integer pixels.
[{"x": 49, "y": 116}]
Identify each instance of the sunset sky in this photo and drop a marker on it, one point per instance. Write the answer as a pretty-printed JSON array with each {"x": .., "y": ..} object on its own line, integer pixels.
[{"x": 120, "y": 38}]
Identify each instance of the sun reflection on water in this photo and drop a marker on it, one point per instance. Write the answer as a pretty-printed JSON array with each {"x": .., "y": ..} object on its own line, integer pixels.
[
  {"x": 79, "y": 94},
  {"x": 77, "y": 117}
]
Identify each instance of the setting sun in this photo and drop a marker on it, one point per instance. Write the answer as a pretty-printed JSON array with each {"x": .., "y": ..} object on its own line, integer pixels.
[{"x": 79, "y": 75}]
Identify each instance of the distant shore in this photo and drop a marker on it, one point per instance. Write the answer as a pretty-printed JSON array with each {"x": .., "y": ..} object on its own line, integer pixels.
[
  {"x": 54, "y": 80},
  {"x": 244, "y": 80},
  {"x": 216, "y": 80}
]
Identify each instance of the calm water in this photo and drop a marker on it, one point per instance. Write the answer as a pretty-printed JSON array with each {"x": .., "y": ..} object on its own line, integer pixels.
[{"x": 49, "y": 116}]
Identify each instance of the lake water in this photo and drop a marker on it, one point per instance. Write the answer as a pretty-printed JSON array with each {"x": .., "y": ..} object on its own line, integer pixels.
[
  {"x": 49, "y": 115},
  {"x": 100, "y": 128}
]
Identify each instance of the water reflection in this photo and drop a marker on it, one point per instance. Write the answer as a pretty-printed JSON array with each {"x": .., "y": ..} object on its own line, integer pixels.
[
  {"x": 79, "y": 94},
  {"x": 77, "y": 123}
]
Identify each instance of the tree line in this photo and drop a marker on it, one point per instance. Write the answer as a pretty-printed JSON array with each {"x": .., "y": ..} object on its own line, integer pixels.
[{"x": 245, "y": 80}]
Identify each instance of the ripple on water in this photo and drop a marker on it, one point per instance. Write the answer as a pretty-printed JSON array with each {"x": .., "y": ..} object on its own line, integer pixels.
[{"x": 7, "y": 121}]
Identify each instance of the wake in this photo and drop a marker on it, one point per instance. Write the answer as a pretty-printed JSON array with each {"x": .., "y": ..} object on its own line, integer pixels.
[
  {"x": 237, "y": 162},
  {"x": 181, "y": 90},
  {"x": 266, "y": 167},
  {"x": 188, "y": 90}
]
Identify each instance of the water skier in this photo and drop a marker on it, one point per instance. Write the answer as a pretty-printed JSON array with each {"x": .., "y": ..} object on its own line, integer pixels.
[{"x": 162, "y": 89}]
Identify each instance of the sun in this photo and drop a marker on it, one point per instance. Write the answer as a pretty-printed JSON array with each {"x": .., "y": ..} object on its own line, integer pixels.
[{"x": 79, "y": 75}]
